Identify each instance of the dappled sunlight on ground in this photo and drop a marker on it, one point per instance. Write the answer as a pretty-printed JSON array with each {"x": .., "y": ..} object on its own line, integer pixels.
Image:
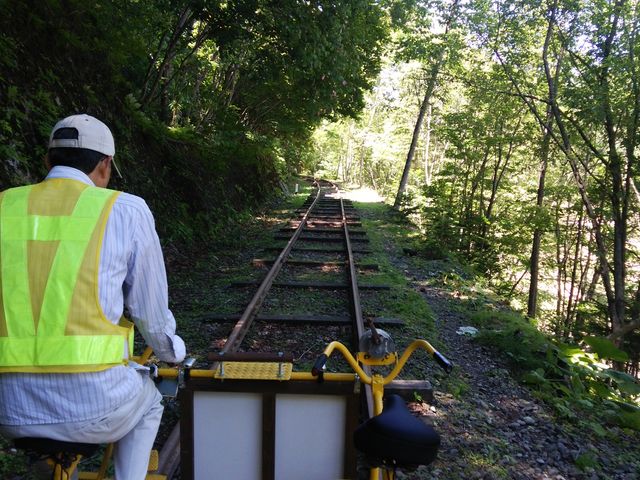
[
  {"x": 364, "y": 195},
  {"x": 274, "y": 219}
]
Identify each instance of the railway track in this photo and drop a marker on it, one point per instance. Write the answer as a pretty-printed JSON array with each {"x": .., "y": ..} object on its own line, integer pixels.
[{"x": 326, "y": 237}]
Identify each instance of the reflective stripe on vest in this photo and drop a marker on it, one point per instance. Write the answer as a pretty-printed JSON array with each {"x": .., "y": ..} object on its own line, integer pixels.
[{"x": 69, "y": 332}]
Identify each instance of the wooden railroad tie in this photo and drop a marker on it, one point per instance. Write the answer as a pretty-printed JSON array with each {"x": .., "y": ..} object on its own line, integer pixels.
[
  {"x": 408, "y": 389},
  {"x": 334, "y": 223},
  {"x": 261, "y": 262},
  {"x": 325, "y": 230},
  {"x": 297, "y": 318},
  {"x": 326, "y": 207},
  {"x": 322, "y": 250},
  {"x": 313, "y": 218},
  {"x": 323, "y": 285},
  {"x": 308, "y": 238}
]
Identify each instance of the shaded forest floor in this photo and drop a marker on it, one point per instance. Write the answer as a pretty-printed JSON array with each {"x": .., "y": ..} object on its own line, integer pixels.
[{"x": 491, "y": 427}]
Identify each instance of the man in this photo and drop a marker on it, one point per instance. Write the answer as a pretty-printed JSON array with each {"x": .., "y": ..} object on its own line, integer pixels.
[{"x": 72, "y": 255}]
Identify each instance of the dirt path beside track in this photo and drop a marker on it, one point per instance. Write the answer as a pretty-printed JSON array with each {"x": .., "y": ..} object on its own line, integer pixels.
[{"x": 493, "y": 428}]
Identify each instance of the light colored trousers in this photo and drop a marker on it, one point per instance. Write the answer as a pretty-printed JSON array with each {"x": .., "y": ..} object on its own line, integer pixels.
[{"x": 132, "y": 427}]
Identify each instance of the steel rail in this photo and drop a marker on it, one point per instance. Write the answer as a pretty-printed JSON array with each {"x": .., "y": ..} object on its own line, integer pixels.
[
  {"x": 247, "y": 318},
  {"x": 354, "y": 298},
  {"x": 169, "y": 458}
]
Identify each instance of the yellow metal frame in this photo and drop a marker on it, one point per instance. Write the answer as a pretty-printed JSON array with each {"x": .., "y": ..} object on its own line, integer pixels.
[
  {"x": 388, "y": 359},
  {"x": 377, "y": 381},
  {"x": 60, "y": 473},
  {"x": 279, "y": 372},
  {"x": 253, "y": 371}
]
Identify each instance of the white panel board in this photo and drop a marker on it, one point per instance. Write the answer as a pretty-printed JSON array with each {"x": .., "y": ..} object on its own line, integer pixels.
[
  {"x": 310, "y": 437},
  {"x": 227, "y": 435}
]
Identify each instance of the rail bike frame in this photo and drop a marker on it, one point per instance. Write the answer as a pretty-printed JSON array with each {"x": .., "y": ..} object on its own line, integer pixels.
[
  {"x": 260, "y": 420},
  {"x": 281, "y": 426},
  {"x": 263, "y": 429},
  {"x": 376, "y": 380}
]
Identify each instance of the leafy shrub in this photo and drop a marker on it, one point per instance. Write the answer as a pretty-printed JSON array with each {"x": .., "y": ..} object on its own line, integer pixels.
[
  {"x": 11, "y": 463},
  {"x": 513, "y": 335},
  {"x": 569, "y": 377}
]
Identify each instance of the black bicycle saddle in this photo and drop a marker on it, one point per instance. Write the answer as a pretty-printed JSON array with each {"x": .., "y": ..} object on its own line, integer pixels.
[
  {"x": 47, "y": 446},
  {"x": 396, "y": 437}
]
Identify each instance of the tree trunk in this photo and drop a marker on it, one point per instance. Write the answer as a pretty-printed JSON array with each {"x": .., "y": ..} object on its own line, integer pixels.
[
  {"x": 532, "y": 301},
  {"x": 427, "y": 143},
  {"x": 151, "y": 83},
  {"x": 414, "y": 140},
  {"x": 610, "y": 290},
  {"x": 466, "y": 221},
  {"x": 431, "y": 84},
  {"x": 561, "y": 274},
  {"x": 571, "y": 303},
  {"x": 499, "y": 168}
]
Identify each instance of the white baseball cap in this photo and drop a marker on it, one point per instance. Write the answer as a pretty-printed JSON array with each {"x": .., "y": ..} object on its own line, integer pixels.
[{"x": 92, "y": 134}]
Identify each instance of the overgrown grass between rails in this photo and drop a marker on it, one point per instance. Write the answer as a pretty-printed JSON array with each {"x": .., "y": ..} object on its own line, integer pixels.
[
  {"x": 200, "y": 280},
  {"x": 401, "y": 301}
]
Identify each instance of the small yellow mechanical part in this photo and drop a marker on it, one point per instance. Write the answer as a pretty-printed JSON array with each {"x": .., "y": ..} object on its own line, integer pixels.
[
  {"x": 154, "y": 460},
  {"x": 366, "y": 359},
  {"x": 254, "y": 371}
]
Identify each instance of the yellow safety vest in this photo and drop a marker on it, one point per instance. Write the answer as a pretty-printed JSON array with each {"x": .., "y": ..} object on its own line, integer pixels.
[{"x": 50, "y": 315}]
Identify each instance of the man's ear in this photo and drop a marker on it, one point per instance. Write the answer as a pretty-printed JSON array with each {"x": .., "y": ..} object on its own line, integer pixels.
[
  {"x": 102, "y": 172},
  {"x": 105, "y": 169},
  {"x": 47, "y": 163},
  {"x": 106, "y": 163}
]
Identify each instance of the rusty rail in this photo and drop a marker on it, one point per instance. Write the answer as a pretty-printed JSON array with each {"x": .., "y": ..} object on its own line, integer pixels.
[
  {"x": 356, "y": 308},
  {"x": 170, "y": 454},
  {"x": 169, "y": 460},
  {"x": 249, "y": 315}
]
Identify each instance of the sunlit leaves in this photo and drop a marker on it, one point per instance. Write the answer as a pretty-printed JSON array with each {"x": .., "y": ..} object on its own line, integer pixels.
[{"x": 606, "y": 349}]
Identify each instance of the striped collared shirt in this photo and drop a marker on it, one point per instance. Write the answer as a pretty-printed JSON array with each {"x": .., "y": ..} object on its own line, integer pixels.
[{"x": 131, "y": 273}]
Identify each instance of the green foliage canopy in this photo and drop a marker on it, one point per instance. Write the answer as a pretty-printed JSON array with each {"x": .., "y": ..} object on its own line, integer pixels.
[{"x": 207, "y": 98}]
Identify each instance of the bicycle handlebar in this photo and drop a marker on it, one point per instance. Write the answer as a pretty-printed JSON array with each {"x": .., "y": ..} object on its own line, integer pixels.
[
  {"x": 318, "y": 366},
  {"x": 444, "y": 363}
]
